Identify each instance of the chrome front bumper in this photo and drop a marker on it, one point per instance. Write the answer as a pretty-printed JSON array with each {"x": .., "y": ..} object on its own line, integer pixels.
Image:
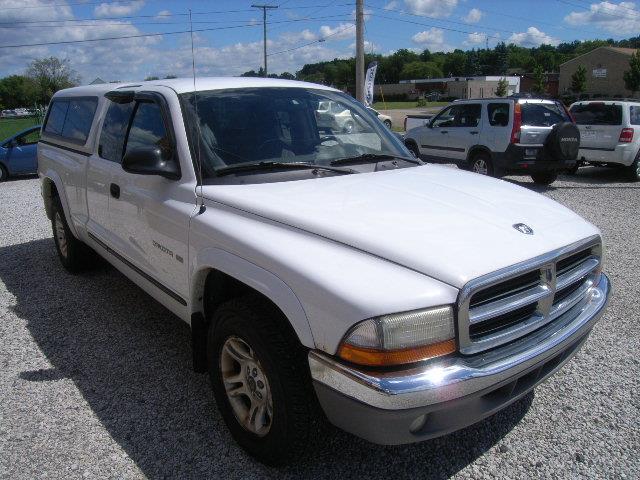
[{"x": 438, "y": 389}]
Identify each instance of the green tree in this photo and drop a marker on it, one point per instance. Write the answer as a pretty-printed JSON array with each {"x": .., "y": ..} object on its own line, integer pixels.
[
  {"x": 539, "y": 84},
  {"x": 50, "y": 75},
  {"x": 170, "y": 76},
  {"x": 579, "y": 80},
  {"x": 632, "y": 76},
  {"x": 415, "y": 70},
  {"x": 151, "y": 77},
  {"x": 454, "y": 64},
  {"x": 17, "y": 91},
  {"x": 501, "y": 89}
]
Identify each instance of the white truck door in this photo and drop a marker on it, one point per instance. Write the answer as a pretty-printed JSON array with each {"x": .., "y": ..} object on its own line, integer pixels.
[
  {"x": 435, "y": 140},
  {"x": 150, "y": 214},
  {"x": 104, "y": 167}
]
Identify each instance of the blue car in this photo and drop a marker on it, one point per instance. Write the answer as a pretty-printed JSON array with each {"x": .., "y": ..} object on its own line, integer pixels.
[{"x": 18, "y": 154}]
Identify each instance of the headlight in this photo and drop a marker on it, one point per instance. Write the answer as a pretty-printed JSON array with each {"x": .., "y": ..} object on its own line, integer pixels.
[{"x": 400, "y": 338}]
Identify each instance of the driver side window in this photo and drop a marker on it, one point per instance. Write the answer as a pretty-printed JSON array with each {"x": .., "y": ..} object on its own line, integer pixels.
[
  {"x": 445, "y": 118},
  {"x": 29, "y": 138},
  {"x": 147, "y": 129}
]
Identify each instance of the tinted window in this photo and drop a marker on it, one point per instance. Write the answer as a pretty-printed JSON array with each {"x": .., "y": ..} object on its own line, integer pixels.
[
  {"x": 597, "y": 114},
  {"x": 79, "y": 119},
  {"x": 71, "y": 118},
  {"x": 147, "y": 128},
  {"x": 634, "y": 115},
  {"x": 114, "y": 130},
  {"x": 498, "y": 114},
  {"x": 542, "y": 114},
  {"x": 57, "y": 114},
  {"x": 459, "y": 116}
]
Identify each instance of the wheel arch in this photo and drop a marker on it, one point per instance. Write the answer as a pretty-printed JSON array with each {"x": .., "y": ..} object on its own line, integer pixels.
[
  {"x": 476, "y": 149},
  {"x": 51, "y": 186},
  {"x": 225, "y": 276}
]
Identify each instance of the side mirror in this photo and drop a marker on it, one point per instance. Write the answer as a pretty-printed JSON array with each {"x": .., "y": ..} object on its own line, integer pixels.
[{"x": 150, "y": 161}]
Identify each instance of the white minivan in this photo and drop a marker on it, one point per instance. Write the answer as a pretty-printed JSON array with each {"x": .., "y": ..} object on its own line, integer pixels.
[{"x": 609, "y": 133}]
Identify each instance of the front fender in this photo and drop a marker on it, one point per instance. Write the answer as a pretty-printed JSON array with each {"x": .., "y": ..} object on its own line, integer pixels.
[{"x": 261, "y": 280}]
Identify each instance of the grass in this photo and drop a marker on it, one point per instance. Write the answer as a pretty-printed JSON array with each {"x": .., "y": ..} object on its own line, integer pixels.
[
  {"x": 11, "y": 126},
  {"x": 402, "y": 105}
]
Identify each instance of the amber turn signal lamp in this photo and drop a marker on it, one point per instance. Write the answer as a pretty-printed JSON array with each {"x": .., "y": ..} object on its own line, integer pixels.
[{"x": 381, "y": 358}]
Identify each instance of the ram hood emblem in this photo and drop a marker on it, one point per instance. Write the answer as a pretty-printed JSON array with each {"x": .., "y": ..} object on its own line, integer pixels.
[{"x": 522, "y": 228}]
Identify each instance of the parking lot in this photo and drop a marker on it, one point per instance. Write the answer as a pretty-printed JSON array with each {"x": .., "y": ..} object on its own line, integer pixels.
[{"x": 96, "y": 380}]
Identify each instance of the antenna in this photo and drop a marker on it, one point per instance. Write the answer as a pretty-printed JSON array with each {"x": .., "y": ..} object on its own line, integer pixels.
[{"x": 199, "y": 182}]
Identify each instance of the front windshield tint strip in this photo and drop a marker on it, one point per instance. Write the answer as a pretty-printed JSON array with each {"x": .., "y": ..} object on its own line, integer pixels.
[{"x": 289, "y": 125}]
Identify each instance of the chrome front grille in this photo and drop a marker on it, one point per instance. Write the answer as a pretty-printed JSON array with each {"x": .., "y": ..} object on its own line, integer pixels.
[{"x": 515, "y": 301}]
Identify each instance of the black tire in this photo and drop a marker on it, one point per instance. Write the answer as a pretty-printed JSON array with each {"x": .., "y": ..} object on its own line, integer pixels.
[
  {"x": 573, "y": 170},
  {"x": 633, "y": 170},
  {"x": 413, "y": 148},
  {"x": 4, "y": 175},
  {"x": 348, "y": 127},
  {"x": 74, "y": 255},
  {"x": 388, "y": 124},
  {"x": 296, "y": 419},
  {"x": 481, "y": 163},
  {"x": 563, "y": 141},
  {"x": 544, "y": 178}
]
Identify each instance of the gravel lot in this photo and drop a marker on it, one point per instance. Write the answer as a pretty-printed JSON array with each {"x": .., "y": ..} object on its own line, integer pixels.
[{"x": 95, "y": 376}]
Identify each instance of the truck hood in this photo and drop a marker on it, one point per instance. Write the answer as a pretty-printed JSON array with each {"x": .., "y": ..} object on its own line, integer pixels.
[{"x": 442, "y": 222}]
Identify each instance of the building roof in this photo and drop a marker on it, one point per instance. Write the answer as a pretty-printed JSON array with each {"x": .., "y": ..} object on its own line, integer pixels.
[
  {"x": 463, "y": 78},
  {"x": 185, "y": 85},
  {"x": 623, "y": 51}
]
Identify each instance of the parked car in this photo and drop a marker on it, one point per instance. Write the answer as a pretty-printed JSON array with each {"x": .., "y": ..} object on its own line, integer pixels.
[
  {"x": 18, "y": 154},
  {"x": 318, "y": 270},
  {"x": 334, "y": 118},
  {"x": 386, "y": 119},
  {"x": 609, "y": 133},
  {"x": 499, "y": 136}
]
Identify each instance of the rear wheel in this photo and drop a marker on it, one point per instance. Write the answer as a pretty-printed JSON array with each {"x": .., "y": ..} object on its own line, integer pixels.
[
  {"x": 3, "y": 173},
  {"x": 74, "y": 255},
  {"x": 573, "y": 170},
  {"x": 544, "y": 178},
  {"x": 413, "y": 148},
  {"x": 481, "y": 163},
  {"x": 388, "y": 123},
  {"x": 261, "y": 381},
  {"x": 348, "y": 127},
  {"x": 634, "y": 169}
]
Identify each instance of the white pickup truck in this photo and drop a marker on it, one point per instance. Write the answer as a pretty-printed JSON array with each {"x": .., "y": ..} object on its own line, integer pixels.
[{"x": 322, "y": 272}]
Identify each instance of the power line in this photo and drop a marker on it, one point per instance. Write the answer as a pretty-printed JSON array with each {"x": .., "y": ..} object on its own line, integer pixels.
[
  {"x": 614, "y": 15},
  {"x": 430, "y": 25},
  {"x": 320, "y": 40},
  {"x": 150, "y": 34}
]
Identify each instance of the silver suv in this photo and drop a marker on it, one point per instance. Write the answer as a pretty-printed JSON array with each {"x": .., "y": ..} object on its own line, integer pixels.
[{"x": 497, "y": 136}]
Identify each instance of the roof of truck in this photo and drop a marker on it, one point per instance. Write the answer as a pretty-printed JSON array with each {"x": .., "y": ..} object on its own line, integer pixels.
[{"x": 184, "y": 85}]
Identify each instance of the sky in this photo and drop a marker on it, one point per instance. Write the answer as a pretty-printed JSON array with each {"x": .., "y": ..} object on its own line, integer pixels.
[{"x": 227, "y": 34}]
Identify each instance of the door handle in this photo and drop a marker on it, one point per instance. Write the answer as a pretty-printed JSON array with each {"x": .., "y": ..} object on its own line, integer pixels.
[
  {"x": 114, "y": 190},
  {"x": 444, "y": 131},
  {"x": 474, "y": 133}
]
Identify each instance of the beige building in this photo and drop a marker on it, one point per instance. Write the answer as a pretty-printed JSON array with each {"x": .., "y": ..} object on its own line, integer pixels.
[{"x": 605, "y": 67}]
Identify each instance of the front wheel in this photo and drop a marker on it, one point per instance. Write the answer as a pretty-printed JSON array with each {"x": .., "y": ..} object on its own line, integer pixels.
[
  {"x": 388, "y": 124},
  {"x": 348, "y": 127},
  {"x": 261, "y": 381},
  {"x": 413, "y": 148},
  {"x": 3, "y": 173},
  {"x": 544, "y": 178}
]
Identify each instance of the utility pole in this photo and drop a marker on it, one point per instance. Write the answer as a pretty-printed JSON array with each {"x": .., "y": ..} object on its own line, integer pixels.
[
  {"x": 360, "y": 50},
  {"x": 264, "y": 29}
]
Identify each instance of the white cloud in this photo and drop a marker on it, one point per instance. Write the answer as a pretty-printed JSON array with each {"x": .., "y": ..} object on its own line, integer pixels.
[
  {"x": 473, "y": 16},
  {"x": 340, "y": 32},
  {"x": 433, "y": 39},
  {"x": 118, "y": 8},
  {"x": 622, "y": 17},
  {"x": 391, "y": 5},
  {"x": 163, "y": 15},
  {"x": 431, "y": 8},
  {"x": 532, "y": 38},
  {"x": 475, "y": 38}
]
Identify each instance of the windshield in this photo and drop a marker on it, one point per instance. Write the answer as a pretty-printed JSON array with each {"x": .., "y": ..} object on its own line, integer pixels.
[{"x": 268, "y": 124}]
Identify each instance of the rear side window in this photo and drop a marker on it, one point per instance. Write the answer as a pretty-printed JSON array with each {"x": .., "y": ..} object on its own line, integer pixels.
[
  {"x": 634, "y": 115},
  {"x": 71, "y": 118},
  {"x": 543, "y": 114},
  {"x": 498, "y": 114},
  {"x": 114, "y": 130},
  {"x": 597, "y": 114}
]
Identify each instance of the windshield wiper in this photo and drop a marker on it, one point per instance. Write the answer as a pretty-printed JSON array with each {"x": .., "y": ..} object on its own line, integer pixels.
[
  {"x": 375, "y": 157},
  {"x": 270, "y": 165}
]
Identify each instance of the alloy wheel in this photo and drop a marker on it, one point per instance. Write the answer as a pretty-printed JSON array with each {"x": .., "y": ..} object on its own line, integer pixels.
[
  {"x": 480, "y": 166},
  {"x": 246, "y": 386}
]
